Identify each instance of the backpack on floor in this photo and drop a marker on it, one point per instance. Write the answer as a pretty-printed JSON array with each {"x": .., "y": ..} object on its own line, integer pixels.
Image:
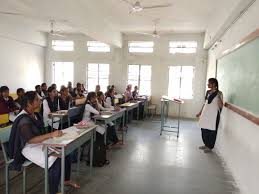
[{"x": 99, "y": 152}]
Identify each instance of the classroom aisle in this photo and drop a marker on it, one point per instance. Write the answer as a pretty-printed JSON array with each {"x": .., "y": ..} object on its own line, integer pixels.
[{"x": 155, "y": 164}]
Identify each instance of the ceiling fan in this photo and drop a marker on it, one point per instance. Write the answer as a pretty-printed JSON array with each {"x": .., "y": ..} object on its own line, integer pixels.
[
  {"x": 54, "y": 33},
  {"x": 137, "y": 7},
  {"x": 154, "y": 34}
]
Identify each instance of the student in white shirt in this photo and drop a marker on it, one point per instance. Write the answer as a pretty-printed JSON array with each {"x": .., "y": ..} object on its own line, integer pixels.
[
  {"x": 110, "y": 98},
  {"x": 28, "y": 130},
  {"x": 209, "y": 116},
  {"x": 51, "y": 104},
  {"x": 44, "y": 90},
  {"x": 101, "y": 102},
  {"x": 128, "y": 94},
  {"x": 38, "y": 90},
  {"x": 91, "y": 109}
]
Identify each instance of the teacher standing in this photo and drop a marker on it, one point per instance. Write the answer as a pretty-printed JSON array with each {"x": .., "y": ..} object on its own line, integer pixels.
[{"x": 209, "y": 116}]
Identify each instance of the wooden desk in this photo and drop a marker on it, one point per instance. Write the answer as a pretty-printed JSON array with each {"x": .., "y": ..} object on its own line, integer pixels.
[
  {"x": 67, "y": 145},
  {"x": 165, "y": 101},
  {"x": 130, "y": 106},
  {"x": 109, "y": 116}
]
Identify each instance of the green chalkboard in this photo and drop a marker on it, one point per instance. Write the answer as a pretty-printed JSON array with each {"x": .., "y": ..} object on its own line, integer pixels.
[{"x": 238, "y": 76}]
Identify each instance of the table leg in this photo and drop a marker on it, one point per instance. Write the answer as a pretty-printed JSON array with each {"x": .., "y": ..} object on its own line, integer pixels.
[
  {"x": 162, "y": 117},
  {"x": 61, "y": 125},
  {"x": 91, "y": 151},
  {"x": 138, "y": 112},
  {"x": 178, "y": 126},
  {"x": 78, "y": 160},
  {"x": 46, "y": 170},
  {"x": 51, "y": 123},
  {"x": 105, "y": 135},
  {"x": 123, "y": 119},
  {"x": 62, "y": 170}
]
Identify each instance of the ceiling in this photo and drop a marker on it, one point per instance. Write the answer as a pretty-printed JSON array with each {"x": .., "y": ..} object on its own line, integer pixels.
[{"x": 96, "y": 17}]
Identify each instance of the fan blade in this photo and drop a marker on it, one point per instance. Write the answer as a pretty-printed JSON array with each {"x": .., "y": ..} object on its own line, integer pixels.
[
  {"x": 43, "y": 18},
  {"x": 158, "y": 6},
  {"x": 10, "y": 13},
  {"x": 128, "y": 2},
  {"x": 145, "y": 33},
  {"x": 56, "y": 34}
]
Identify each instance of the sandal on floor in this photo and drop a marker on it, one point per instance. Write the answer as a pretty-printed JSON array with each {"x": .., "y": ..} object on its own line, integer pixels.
[
  {"x": 207, "y": 150},
  {"x": 106, "y": 162},
  {"x": 203, "y": 148},
  {"x": 72, "y": 184}
]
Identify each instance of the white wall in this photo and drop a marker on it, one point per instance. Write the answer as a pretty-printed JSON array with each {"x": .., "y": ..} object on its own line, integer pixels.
[
  {"x": 161, "y": 59},
  {"x": 119, "y": 59},
  {"x": 237, "y": 140},
  {"x": 22, "y": 64}
]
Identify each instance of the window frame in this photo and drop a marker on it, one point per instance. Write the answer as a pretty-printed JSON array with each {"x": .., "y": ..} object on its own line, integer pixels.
[
  {"x": 181, "y": 77},
  {"x": 98, "y": 72},
  {"x": 136, "y": 46},
  {"x": 94, "y": 44},
  {"x": 54, "y": 72},
  {"x": 139, "y": 77},
  {"x": 182, "y": 47},
  {"x": 58, "y": 47}
]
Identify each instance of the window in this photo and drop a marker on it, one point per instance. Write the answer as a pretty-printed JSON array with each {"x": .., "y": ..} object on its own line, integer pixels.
[
  {"x": 140, "y": 75},
  {"x": 186, "y": 47},
  {"x": 63, "y": 72},
  {"x": 62, "y": 45},
  {"x": 180, "y": 82},
  {"x": 97, "y": 74},
  {"x": 141, "y": 46},
  {"x": 96, "y": 46}
]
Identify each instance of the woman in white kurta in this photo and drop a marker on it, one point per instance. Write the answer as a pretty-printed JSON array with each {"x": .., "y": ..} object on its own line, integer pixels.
[
  {"x": 209, "y": 116},
  {"x": 29, "y": 127}
]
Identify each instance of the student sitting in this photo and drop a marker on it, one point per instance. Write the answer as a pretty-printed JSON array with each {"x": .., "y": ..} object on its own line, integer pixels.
[
  {"x": 38, "y": 90},
  {"x": 104, "y": 105},
  {"x": 107, "y": 90},
  {"x": 97, "y": 88},
  {"x": 18, "y": 101},
  {"x": 135, "y": 93},
  {"x": 7, "y": 104},
  {"x": 65, "y": 99},
  {"x": 110, "y": 98},
  {"x": 70, "y": 88},
  {"x": 78, "y": 93},
  {"x": 25, "y": 143},
  {"x": 51, "y": 104},
  {"x": 127, "y": 93},
  {"x": 54, "y": 86},
  {"x": 44, "y": 90},
  {"x": 91, "y": 109}
]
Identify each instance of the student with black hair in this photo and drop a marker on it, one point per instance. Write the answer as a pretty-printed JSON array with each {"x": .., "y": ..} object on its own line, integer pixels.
[
  {"x": 91, "y": 109},
  {"x": 7, "y": 104},
  {"x": 38, "y": 90},
  {"x": 25, "y": 143},
  {"x": 110, "y": 98},
  {"x": 97, "y": 88},
  {"x": 51, "y": 104},
  {"x": 135, "y": 93},
  {"x": 78, "y": 93},
  {"x": 44, "y": 90},
  {"x": 18, "y": 101},
  {"x": 65, "y": 99},
  {"x": 209, "y": 116}
]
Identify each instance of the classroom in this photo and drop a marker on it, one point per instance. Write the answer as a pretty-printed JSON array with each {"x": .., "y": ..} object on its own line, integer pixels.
[{"x": 129, "y": 97}]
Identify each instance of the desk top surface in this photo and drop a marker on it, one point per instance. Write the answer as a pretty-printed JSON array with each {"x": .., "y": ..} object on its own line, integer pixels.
[
  {"x": 129, "y": 104},
  {"x": 176, "y": 100},
  {"x": 70, "y": 134},
  {"x": 109, "y": 114}
]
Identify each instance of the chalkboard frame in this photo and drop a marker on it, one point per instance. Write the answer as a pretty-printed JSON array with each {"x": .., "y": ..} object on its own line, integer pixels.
[{"x": 252, "y": 36}]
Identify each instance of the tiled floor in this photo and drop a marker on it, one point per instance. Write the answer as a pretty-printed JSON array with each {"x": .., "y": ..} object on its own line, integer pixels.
[{"x": 152, "y": 164}]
